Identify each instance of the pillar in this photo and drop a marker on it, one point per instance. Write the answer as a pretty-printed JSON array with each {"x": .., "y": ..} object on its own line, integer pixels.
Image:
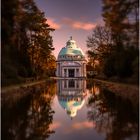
[{"x": 67, "y": 72}]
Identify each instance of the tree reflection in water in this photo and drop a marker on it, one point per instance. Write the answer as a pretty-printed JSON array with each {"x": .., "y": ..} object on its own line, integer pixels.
[
  {"x": 30, "y": 117},
  {"x": 111, "y": 114}
]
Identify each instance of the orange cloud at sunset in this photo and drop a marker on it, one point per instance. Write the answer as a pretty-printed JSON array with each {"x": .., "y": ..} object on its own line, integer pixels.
[
  {"x": 78, "y": 24},
  {"x": 55, "y": 125},
  {"x": 83, "y": 125},
  {"x": 84, "y": 26},
  {"x": 80, "y": 126},
  {"x": 53, "y": 24}
]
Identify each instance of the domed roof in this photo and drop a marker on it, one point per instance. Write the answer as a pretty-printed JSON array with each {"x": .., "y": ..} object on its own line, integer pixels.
[
  {"x": 72, "y": 106},
  {"x": 71, "y": 49}
]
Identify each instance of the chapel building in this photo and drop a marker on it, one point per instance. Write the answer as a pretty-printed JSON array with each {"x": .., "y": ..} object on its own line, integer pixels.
[{"x": 71, "y": 61}]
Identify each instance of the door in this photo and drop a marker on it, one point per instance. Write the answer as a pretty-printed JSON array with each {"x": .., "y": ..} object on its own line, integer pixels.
[{"x": 71, "y": 73}]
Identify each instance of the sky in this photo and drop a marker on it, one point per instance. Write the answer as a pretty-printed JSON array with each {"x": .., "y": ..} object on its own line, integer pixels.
[{"x": 76, "y": 18}]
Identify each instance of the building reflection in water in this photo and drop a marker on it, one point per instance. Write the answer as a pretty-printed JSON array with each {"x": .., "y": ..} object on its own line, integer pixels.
[{"x": 71, "y": 95}]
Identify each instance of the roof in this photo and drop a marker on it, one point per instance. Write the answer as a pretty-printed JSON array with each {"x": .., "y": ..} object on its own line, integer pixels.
[
  {"x": 71, "y": 49},
  {"x": 72, "y": 106}
]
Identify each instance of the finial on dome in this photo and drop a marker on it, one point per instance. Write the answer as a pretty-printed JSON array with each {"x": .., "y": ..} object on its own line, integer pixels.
[{"x": 70, "y": 37}]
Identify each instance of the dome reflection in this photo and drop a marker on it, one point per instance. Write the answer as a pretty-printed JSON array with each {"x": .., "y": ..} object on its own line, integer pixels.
[{"x": 71, "y": 95}]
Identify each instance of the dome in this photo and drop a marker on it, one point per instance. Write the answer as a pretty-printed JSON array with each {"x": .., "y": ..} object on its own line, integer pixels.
[
  {"x": 72, "y": 106},
  {"x": 71, "y": 49}
]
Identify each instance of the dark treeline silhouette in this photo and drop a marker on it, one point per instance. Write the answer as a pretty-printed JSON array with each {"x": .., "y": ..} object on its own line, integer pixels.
[
  {"x": 26, "y": 42},
  {"x": 116, "y": 45}
]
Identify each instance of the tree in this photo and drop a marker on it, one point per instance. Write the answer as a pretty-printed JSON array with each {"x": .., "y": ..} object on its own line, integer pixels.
[
  {"x": 115, "y": 14},
  {"x": 121, "y": 17},
  {"x": 100, "y": 45},
  {"x": 119, "y": 37},
  {"x": 9, "y": 53},
  {"x": 26, "y": 41},
  {"x": 37, "y": 32}
]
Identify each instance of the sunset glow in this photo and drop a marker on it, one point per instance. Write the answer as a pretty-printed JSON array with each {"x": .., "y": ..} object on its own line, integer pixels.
[
  {"x": 70, "y": 19},
  {"x": 53, "y": 24}
]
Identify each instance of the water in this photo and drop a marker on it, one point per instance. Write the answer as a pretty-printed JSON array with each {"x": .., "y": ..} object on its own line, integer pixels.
[{"x": 68, "y": 110}]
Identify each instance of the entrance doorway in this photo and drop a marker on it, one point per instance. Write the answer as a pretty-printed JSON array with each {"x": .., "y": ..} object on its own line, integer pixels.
[{"x": 71, "y": 72}]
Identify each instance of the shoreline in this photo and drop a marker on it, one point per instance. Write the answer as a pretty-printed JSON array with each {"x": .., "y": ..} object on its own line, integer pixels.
[
  {"x": 126, "y": 91},
  {"x": 22, "y": 85},
  {"x": 31, "y": 83}
]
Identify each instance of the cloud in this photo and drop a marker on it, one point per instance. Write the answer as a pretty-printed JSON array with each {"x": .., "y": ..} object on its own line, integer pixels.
[
  {"x": 84, "y": 26},
  {"x": 55, "y": 125},
  {"x": 79, "y": 126},
  {"x": 53, "y": 24},
  {"x": 83, "y": 125},
  {"x": 78, "y": 24},
  {"x": 75, "y": 24}
]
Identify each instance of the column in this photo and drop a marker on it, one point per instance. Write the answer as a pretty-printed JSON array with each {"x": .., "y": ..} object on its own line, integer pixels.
[
  {"x": 67, "y": 83},
  {"x": 67, "y": 72},
  {"x": 77, "y": 72},
  {"x": 82, "y": 69},
  {"x": 80, "y": 72},
  {"x": 58, "y": 69},
  {"x": 85, "y": 71},
  {"x": 61, "y": 70}
]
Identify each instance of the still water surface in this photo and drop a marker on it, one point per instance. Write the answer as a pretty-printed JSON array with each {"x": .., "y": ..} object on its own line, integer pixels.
[{"x": 68, "y": 110}]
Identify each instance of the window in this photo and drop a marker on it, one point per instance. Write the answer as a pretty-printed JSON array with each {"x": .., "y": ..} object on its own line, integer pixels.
[{"x": 71, "y": 84}]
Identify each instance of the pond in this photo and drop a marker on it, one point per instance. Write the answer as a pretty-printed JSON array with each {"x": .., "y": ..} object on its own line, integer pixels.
[{"x": 68, "y": 110}]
